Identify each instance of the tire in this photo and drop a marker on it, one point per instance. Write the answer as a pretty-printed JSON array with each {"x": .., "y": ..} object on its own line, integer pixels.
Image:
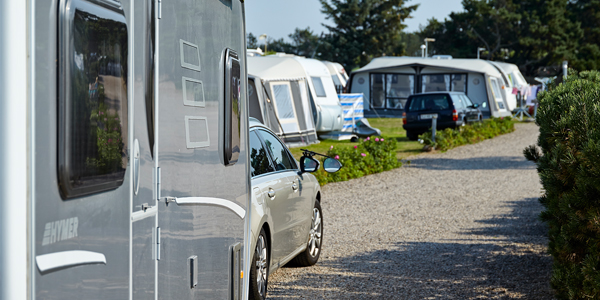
[
  {"x": 412, "y": 135},
  {"x": 480, "y": 119},
  {"x": 310, "y": 256},
  {"x": 259, "y": 270}
]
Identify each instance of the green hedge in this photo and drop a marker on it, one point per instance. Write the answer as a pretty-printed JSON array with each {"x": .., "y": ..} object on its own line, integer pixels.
[
  {"x": 469, "y": 134},
  {"x": 371, "y": 155},
  {"x": 569, "y": 169}
]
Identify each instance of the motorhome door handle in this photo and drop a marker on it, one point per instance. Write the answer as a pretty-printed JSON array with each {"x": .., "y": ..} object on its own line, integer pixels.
[
  {"x": 271, "y": 193},
  {"x": 295, "y": 186}
]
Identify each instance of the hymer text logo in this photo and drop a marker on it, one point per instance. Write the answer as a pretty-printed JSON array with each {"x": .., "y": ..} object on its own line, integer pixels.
[{"x": 60, "y": 230}]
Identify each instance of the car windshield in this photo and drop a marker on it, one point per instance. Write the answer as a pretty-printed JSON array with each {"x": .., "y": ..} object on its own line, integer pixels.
[{"x": 429, "y": 103}]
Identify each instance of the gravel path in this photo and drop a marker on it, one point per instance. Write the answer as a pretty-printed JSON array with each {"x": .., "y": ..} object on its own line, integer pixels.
[{"x": 456, "y": 225}]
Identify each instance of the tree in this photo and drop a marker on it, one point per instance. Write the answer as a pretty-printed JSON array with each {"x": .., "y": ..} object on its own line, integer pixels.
[
  {"x": 251, "y": 41},
  {"x": 304, "y": 42},
  {"x": 363, "y": 29}
]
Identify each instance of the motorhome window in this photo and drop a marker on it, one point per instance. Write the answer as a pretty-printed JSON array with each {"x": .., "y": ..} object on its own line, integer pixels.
[
  {"x": 429, "y": 103},
  {"x": 255, "y": 111},
  {"x": 319, "y": 88},
  {"x": 232, "y": 130},
  {"x": 444, "y": 83},
  {"x": 93, "y": 99},
  {"x": 259, "y": 159},
  {"x": 279, "y": 153},
  {"x": 391, "y": 90}
]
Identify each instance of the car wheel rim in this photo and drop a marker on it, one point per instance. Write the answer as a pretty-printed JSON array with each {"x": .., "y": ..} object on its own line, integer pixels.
[
  {"x": 314, "y": 241},
  {"x": 261, "y": 266}
]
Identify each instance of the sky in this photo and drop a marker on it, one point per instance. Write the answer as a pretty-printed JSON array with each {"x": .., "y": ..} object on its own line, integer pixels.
[{"x": 278, "y": 18}]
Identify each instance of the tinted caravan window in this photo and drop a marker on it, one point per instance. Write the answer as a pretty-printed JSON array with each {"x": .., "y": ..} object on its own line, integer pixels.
[
  {"x": 319, "y": 88},
  {"x": 93, "y": 98}
]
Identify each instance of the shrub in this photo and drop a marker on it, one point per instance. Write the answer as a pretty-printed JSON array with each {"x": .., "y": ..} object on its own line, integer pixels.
[
  {"x": 569, "y": 169},
  {"x": 371, "y": 155},
  {"x": 449, "y": 138}
]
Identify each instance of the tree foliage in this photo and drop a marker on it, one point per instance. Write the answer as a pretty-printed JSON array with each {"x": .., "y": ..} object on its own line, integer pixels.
[
  {"x": 364, "y": 29},
  {"x": 529, "y": 33}
]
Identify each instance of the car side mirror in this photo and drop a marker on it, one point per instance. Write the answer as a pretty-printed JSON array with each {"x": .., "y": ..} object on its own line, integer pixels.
[
  {"x": 332, "y": 165},
  {"x": 308, "y": 164}
]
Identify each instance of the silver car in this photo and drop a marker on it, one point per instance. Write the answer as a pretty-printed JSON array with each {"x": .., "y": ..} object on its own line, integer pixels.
[{"x": 287, "y": 222}]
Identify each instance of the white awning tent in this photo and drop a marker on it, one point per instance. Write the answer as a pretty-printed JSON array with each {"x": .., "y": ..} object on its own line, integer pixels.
[
  {"x": 387, "y": 82},
  {"x": 279, "y": 99},
  {"x": 513, "y": 80},
  {"x": 320, "y": 96}
]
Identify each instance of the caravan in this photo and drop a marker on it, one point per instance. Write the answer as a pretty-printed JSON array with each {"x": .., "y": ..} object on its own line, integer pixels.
[
  {"x": 338, "y": 75},
  {"x": 387, "y": 82},
  {"x": 513, "y": 80},
  {"x": 123, "y": 148},
  {"x": 278, "y": 98}
]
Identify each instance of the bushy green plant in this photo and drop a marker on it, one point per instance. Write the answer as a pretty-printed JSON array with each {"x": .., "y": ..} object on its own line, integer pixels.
[
  {"x": 449, "y": 138},
  {"x": 569, "y": 169},
  {"x": 371, "y": 155}
]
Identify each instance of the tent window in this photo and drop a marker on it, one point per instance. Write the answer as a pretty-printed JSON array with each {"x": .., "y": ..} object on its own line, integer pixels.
[
  {"x": 497, "y": 93},
  {"x": 444, "y": 83},
  {"x": 319, "y": 88},
  {"x": 391, "y": 90},
  {"x": 282, "y": 96},
  {"x": 93, "y": 100}
]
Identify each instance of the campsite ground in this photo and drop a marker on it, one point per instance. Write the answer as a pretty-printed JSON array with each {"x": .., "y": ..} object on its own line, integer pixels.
[{"x": 456, "y": 225}]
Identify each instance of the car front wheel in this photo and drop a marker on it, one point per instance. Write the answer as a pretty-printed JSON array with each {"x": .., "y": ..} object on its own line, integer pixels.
[
  {"x": 259, "y": 272},
  {"x": 412, "y": 135},
  {"x": 310, "y": 256}
]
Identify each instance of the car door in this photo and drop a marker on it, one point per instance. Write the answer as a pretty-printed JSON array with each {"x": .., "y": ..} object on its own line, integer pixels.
[{"x": 284, "y": 207}]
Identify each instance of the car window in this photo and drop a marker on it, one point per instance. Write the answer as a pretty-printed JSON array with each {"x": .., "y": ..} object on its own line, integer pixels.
[
  {"x": 259, "y": 160},
  {"x": 429, "y": 103},
  {"x": 458, "y": 104},
  {"x": 466, "y": 100},
  {"x": 280, "y": 154}
]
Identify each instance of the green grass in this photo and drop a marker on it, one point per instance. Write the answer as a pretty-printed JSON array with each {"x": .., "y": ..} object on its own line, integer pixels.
[{"x": 390, "y": 128}]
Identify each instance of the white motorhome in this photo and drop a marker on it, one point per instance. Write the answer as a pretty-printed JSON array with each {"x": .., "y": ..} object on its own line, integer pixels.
[
  {"x": 338, "y": 75},
  {"x": 387, "y": 82},
  {"x": 513, "y": 80},
  {"x": 123, "y": 148}
]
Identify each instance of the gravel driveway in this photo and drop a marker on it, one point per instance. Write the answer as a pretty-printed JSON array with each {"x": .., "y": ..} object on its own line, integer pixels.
[{"x": 456, "y": 225}]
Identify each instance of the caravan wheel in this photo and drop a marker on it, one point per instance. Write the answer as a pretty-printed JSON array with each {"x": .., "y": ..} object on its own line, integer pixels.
[{"x": 259, "y": 272}]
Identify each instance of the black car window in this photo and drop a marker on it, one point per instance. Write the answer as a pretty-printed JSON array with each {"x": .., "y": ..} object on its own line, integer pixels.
[
  {"x": 466, "y": 100},
  {"x": 458, "y": 103},
  {"x": 259, "y": 159},
  {"x": 279, "y": 152},
  {"x": 429, "y": 103}
]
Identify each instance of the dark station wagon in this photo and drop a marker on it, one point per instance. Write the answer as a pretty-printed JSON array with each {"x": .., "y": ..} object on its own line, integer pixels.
[{"x": 452, "y": 109}]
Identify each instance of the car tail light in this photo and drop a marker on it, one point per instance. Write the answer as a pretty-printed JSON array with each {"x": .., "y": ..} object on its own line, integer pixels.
[
  {"x": 404, "y": 118},
  {"x": 454, "y": 115}
]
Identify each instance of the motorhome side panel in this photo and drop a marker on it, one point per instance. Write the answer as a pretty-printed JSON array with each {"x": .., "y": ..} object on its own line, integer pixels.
[
  {"x": 82, "y": 169},
  {"x": 201, "y": 148}
]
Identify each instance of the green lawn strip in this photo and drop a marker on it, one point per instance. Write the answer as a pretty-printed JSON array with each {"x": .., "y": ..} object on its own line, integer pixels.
[{"x": 390, "y": 128}]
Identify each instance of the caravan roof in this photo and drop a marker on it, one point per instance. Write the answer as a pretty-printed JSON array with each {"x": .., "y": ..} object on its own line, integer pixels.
[{"x": 276, "y": 68}]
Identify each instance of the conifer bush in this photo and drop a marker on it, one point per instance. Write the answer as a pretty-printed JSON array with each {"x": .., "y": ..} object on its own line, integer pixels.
[{"x": 568, "y": 163}]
